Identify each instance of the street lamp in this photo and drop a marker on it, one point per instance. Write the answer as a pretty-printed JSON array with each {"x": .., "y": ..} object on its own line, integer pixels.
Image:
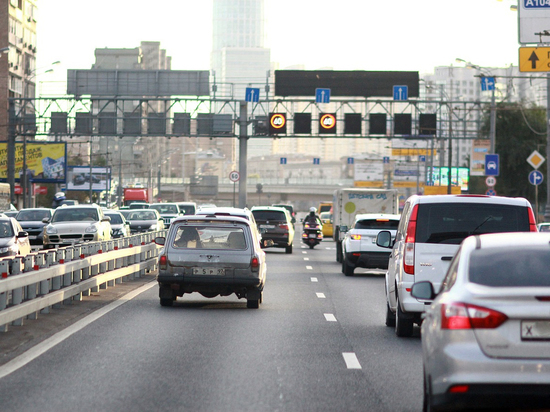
[{"x": 492, "y": 130}]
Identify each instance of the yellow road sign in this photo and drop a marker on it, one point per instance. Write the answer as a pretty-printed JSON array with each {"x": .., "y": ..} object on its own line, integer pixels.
[{"x": 534, "y": 59}]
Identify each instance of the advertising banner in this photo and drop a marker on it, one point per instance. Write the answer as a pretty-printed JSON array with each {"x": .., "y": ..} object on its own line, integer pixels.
[
  {"x": 79, "y": 178},
  {"x": 480, "y": 147},
  {"x": 46, "y": 162}
]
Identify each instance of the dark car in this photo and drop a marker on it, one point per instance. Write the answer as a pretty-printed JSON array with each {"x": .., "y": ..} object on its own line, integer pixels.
[
  {"x": 275, "y": 224},
  {"x": 144, "y": 220},
  {"x": 13, "y": 239},
  {"x": 290, "y": 209},
  {"x": 119, "y": 226},
  {"x": 31, "y": 220},
  {"x": 214, "y": 256}
]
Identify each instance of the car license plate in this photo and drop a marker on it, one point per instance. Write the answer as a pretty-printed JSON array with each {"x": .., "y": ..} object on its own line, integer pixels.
[
  {"x": 313, "y": 235},
  {"x": 209, "y": 271},
  {"x": 32, "y": 237},
  {"x": 267, "y": 227},
  {"x": 533, "y": 330}
]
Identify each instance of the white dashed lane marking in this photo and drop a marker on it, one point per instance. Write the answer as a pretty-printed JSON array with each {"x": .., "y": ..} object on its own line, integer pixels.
[
  {"x": 320, "y": 295},
  {"x": 314, "y": 280},
  {"x": 309, "y": 267},
  {"x": 306, "y": 258},
  {"x": 330, "y": 317},
  {"x": 351, "y": 360}
]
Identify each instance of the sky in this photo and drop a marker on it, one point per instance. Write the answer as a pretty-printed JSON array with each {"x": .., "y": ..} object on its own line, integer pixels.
[{"x": 393, "y": 35}]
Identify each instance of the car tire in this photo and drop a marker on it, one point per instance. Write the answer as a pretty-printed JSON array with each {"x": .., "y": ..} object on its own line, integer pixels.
[
  {"x": 253, "y": 303},
  {"x": 288, "y": 249},
  {"x": 403, "y": 327},
  {"x": 347, "y": 269},
  {"x": 166, "y": 302},
  {"x": 338, "y": 252},
  {"x": 390, "y": 316}
]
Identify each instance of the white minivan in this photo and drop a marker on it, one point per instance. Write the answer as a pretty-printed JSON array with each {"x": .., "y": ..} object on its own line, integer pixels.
[{"x": 430, "y": 230}]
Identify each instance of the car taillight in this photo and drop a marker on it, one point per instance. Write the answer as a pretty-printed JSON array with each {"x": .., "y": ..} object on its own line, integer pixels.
[
  {"x": 410, "y": 238},
  {"x": 283, "y": 226},
  {"x": 464, "y": 316},
  {"x": 255, "y": 263},
  {"x": 532, "y": 221},
  {"x": 163, "y": 261},
  {"x": 356, "y": 237}
]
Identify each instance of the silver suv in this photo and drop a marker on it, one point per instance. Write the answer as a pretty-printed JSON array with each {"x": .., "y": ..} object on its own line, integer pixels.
[
  {"x": 430, "y": 231},
  {"x": 76, "y": 224}
]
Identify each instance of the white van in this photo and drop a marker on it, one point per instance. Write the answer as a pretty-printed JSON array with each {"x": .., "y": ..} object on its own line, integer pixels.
[{"x": 430, "y": 230}]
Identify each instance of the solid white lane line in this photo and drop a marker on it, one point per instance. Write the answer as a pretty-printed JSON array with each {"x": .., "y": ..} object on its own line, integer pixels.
[
  {"x": 320, "y": 295},
  {"x": 59, "y": 337},
  {"x": 330, "y": 317},
  {"x": 309, "y": 267},
  {"x": 351, "y": 360},
  {"x": 314, "y": 280}
]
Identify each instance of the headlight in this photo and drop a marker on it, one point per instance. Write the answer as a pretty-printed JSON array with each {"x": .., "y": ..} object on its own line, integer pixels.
[
  {"x": 4, "y": 249},
  {"x": 91, "y": 229},
  {"x": 50, "y": 230}
]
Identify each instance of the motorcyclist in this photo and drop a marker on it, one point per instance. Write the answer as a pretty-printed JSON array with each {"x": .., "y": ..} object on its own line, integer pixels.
[{"x": 312, "y": 217}]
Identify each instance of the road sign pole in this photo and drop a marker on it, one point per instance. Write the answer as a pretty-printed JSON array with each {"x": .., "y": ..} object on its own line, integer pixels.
[
  {"x": 492, "y": 132},
  {"x": 547, "y": 210},
  {"x": 243, "y": 152}
]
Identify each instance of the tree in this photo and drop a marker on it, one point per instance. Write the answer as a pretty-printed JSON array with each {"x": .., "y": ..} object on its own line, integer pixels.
[{"x": 519, "y": 131}]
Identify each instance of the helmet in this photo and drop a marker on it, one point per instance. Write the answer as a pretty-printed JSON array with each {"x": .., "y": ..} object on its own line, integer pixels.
[
  {"x": 59, "y": 196},
  {"x": 312, "y": 209}
]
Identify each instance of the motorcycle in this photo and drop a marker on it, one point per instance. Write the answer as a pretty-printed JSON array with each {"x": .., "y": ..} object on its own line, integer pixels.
[{"x": 312, "y": 234}]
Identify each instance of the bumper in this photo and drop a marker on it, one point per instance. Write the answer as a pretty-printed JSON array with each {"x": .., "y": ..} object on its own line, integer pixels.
[
  {"x": 368, "y": 260},
  {"x": 495, "y": 383},
  {"x": 277, "y": 240},
  {"x": 211, "y": 285},
  {"x": 62, "y": 240}
]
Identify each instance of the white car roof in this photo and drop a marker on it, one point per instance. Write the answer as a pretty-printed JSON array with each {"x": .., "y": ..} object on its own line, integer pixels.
[
  {"x": 377, "y": 216},
  {"x": 501, "y": 200}
]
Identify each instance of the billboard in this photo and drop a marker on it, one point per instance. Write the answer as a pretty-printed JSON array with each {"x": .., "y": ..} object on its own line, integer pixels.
[
  {"x": 46, "y": 162},
  {"x": 460, "y": 176},
  {"x": 79, "y": 178}
]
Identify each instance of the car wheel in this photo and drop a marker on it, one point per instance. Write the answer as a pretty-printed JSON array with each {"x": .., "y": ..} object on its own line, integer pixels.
[
  {"x": 347, "y": 269},
  {"x": 403, "y": 327},
  {"x": 166, "y": 302},
  {"x": 390, "y": 316},
  {"x": 338, "y": 252},
  {"x": 253, "y": 303},
  {"x": 288, "y": 249}
]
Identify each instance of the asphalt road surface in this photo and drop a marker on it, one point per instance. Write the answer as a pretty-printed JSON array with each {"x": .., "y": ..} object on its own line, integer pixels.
[{"x": 317, "y": 343}]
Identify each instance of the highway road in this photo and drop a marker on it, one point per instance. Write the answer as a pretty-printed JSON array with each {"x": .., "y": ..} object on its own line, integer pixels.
[{"x": 317, "y": 343}]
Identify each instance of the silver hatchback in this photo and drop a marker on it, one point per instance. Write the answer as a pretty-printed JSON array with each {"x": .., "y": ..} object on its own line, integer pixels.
[
  {"x": 486, "y": 335},
  {"x": 212, "y": 255}
]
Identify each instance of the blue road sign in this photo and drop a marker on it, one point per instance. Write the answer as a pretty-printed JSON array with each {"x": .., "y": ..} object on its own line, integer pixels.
[
  {"x": 252, "y": 94},
  {"x": 491, "y": 192},
  {"x": 421, "y": 158},
  {"x": 487, "y": 83},
  {"x": 491, "y": 165},
  {"x": 322, "y": 95},
  {"x": 316, "y": 161},
  {"x": 400, "y": 92},
  {"x": 386, "y": 159},
  {"x": 350, "y": 160},
  {"x": 282, "y": 161},
  {"x": 535, "y": 177}
]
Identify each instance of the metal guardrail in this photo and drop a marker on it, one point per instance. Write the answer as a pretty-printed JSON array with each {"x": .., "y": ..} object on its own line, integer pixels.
[{"x": 34, "y": 283}]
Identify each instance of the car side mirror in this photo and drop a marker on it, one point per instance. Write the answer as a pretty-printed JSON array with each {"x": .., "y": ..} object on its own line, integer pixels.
[
  {"x": 384, "y": 239},
  {"x": 160, "y": 241},
  {"x": 22, "y": 234},
  {"x": 46, "y": 220},
  {"x": 423, "y": 290},
  {"x": 106, "y": 219}
]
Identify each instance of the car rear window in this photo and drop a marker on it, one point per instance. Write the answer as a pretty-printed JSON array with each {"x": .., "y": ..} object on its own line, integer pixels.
[
  {"x": 209, "y": 237},
  {"x": 510, "y": 266},
  {"x": 188, "y": 210},
  {"x": 380, "y": 224},
  {"x": 272, "y": 215},
  {"x": 450, "y": 223}
]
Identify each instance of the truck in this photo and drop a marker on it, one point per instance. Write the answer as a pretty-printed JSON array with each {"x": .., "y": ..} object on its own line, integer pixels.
[
  {"x": 134, "y": 194},
  {"x": 347, "y": 203}
]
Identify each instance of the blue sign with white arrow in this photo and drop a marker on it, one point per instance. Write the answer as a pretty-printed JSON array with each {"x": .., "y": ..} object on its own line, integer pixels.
[
  {"x": 282, "y": 161},
  {"x": 316, "y": 161},
  {"x": 252, "y": 94},
  {"x": 487, "y": 84},
  {"x": 322, "y": 95},
  {"x": 400, "y": 92},
  {"x": 491, "y": 165},
  {"x": 535, "y": 177}
]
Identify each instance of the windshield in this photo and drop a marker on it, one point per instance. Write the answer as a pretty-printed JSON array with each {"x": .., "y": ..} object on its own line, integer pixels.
[
  {"x": 165, "y": 208},
  {"x": 142, "y": 215},
  {"x": 116, "y": 219},
  {"x": 75, "y": 215},
  {"x": 33, "y": 215},
  {"x": 450, "y": 223},
  {"x": 6, "y": 229}
]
